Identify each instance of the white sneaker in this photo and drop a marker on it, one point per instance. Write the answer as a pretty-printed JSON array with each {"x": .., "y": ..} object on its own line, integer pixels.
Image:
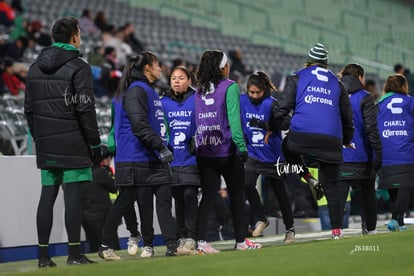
[
  {"x": 133, "y": 245},
  {"x": 372, "y": 232},
  {"x": 147, "y": 252},
  {"x": 108, "y": 254},
  {"x": 247, "y": 245},
  {"x": 186, "y": 247},
  {"x": 259, "y": 228},
  {"x": 289, "y": 236},
  {"x": 204, "y": 248}
]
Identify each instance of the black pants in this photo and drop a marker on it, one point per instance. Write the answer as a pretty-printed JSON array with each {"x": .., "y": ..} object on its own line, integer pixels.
[
  {"x": 93, "y": 231},
  {"x": 401, "y": 200},
  {"x": 186, "y": 207},
  {"x": 369, "y": 200},
  {"x": 73, "y": 213},
  {"x": 163, "y": 207},
  {"x": 131, "y": 221},
  {"x": 122, "y": 205},
  {"x": 232, "y": 170},
  {"x": 328, "y": 177},
  {"x": 280, "y": 190}
]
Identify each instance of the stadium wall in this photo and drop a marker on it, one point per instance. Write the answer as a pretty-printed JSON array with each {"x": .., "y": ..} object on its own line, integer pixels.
[{"x": 20, "y": 192}]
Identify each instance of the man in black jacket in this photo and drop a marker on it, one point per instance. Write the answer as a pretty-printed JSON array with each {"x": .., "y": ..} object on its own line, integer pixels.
[
  {"x": 361, "y": 163},
  {"x": 321, "y": 124},
  {"x": 60, "y": 110}
]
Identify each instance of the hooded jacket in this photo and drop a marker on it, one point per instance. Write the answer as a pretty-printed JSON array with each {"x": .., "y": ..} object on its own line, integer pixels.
[
  {"x": 359, "y": 161},
  {"x": 60, "y": 109}
]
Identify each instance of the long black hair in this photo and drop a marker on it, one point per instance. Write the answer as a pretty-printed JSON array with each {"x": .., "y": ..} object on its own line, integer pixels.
[
  {"x": 133, "y": 68},
  {"x": 208, "y": 70}
]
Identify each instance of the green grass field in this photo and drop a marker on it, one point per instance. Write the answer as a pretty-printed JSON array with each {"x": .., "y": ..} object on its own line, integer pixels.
[{"x": 384, "y": 254}]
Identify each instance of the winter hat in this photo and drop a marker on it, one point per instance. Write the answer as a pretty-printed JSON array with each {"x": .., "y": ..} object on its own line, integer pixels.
[{"x": 318, "y": 54}]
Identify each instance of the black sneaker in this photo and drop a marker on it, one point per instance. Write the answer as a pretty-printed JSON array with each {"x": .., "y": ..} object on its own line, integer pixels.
[
  {"x": 315, "y": 186},
  {"x": 79, "y": 261},
  {"x": 171, "y": 250},
  {"x": 46, "y": 263}
]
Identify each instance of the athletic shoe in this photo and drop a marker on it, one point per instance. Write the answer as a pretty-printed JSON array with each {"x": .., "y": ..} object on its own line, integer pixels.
[
  {"x": 403, "y": 228},
  {"x": 247, "y": 245},
  {"x": 133, "y": 245},
  {"x": 315, "y": 186},
  {"x": 181, "y": 242},
  {"x": 46, "y": 263},
  {"x": 171, "y": 250},
  {"x": 259, "y": 228},
  {"x": 364, "y": 228},
  {"x": 147, "y": 252},
  {"x": 337, "y": 234},
  {"x": 190, "y": 244},
  {"x": 289, "y": 236},
  {"x": 108, "y": 254},
  {"x": 204, "y": 248},
  {"x": 186, "y": 247},
  {"x": 79, "y": 261},
  {"x": 393, "y": 225},
  {"x": 372, "y": 232}
]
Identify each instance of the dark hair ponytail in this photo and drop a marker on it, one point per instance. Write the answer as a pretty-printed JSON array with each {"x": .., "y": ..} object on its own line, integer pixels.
[
  {"x": 262, "y": 81},
  {"x": 133, "y": 68}
]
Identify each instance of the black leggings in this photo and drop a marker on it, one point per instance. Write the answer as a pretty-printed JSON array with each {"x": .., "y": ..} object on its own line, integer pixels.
[
  {"x": 186, "y": 206},
  {"x": 73, "y": 211},
  {"x": 401, "y": 200},
  {"x": 369, "y": 200},
  {"x": 232, "y": 170}
]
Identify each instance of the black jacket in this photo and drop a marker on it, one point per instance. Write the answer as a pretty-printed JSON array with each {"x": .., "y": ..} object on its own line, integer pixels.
[
  {"x": 60, "y": 109},
  {"x": 95, "y": 195},
  {"x": 369, "y": 113},
  {"x": 313, "y": 145},
  {"x": 135, "y": 103}
]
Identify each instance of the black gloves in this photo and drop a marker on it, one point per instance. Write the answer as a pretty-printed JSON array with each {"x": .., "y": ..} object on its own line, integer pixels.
[
  {"x": 254, "y": 122},
  {"x": 192, "y": 146},
  {"x": 96, "y": 154},
  {"x": 166, "y": 156},
  {"x": 243, "y": 156}
]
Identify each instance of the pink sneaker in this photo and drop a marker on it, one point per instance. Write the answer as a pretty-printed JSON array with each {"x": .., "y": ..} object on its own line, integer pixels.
[
  {"x": 247, "y": 245},
  {"x": 204, "y": 248},
  {"x": 337, "y": 234}
]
